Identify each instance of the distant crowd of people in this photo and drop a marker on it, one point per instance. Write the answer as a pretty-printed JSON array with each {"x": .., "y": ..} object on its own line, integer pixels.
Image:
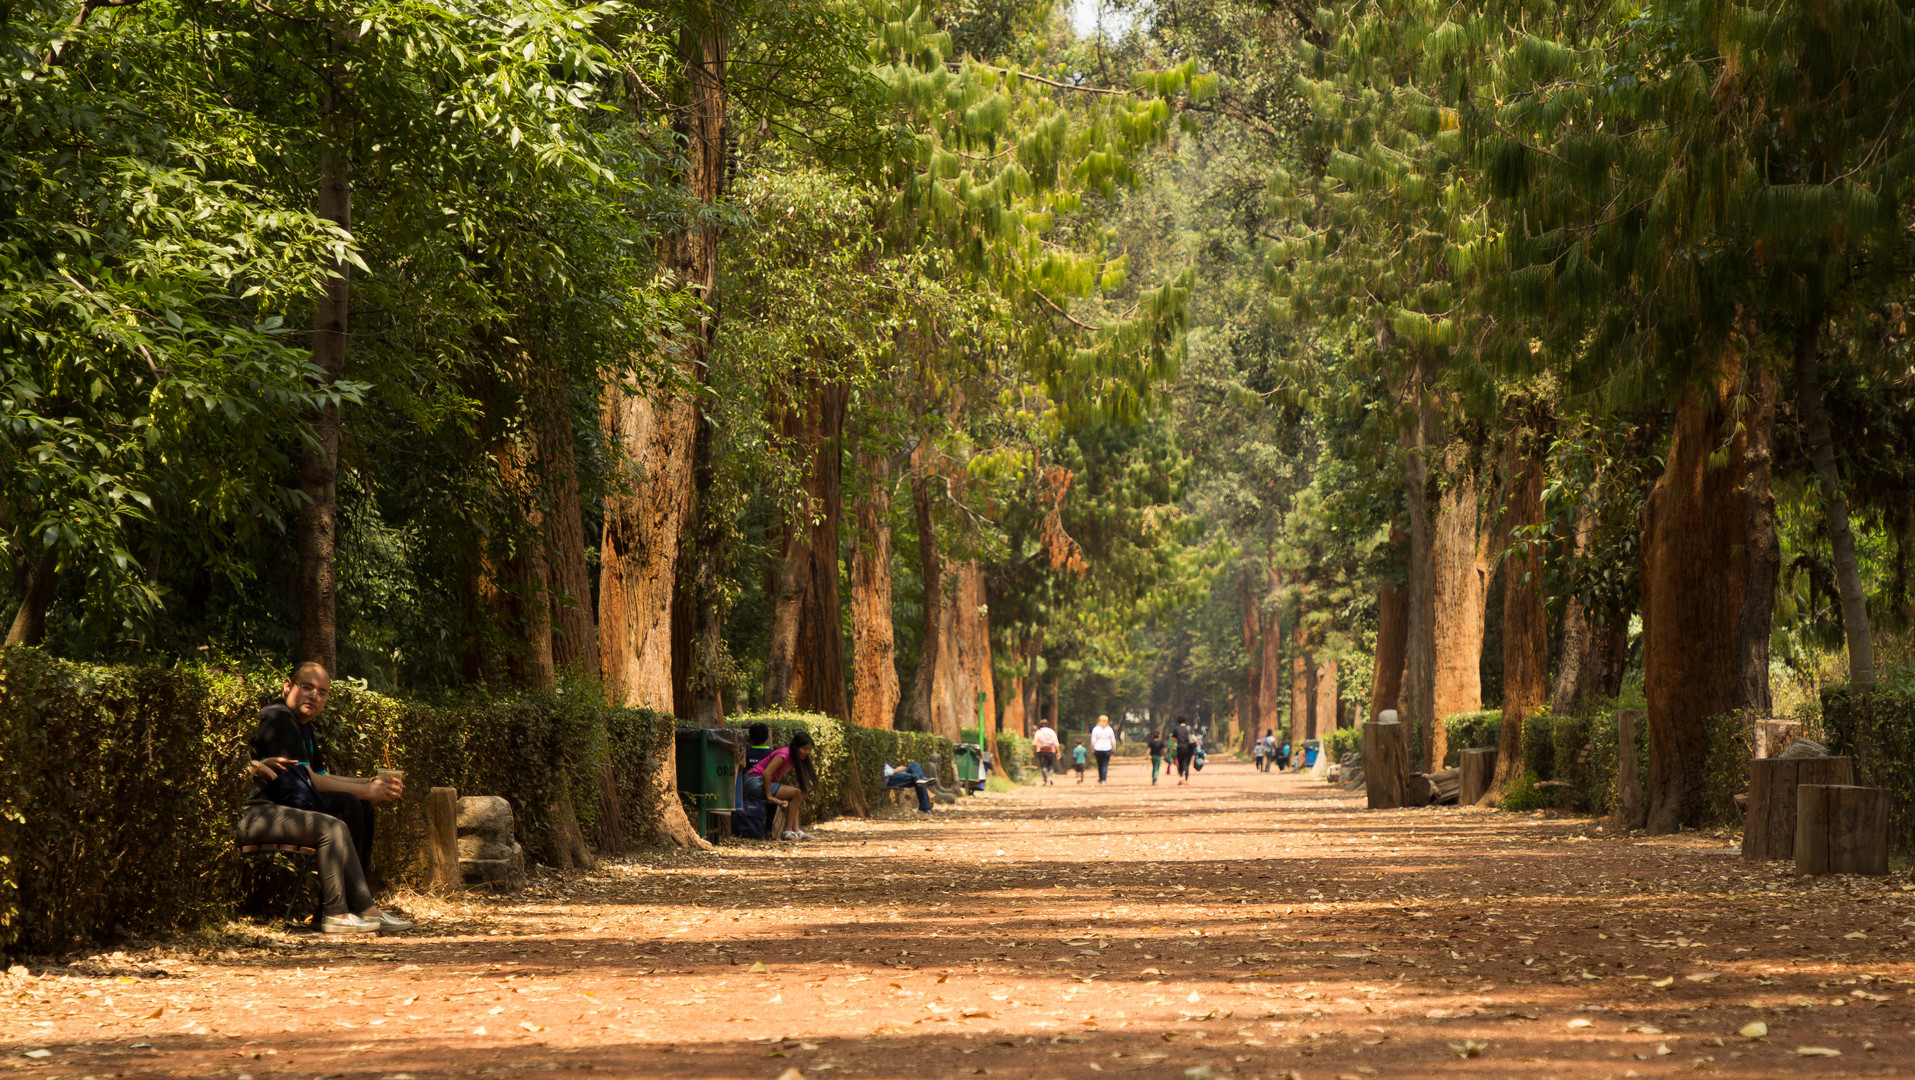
[{"x": 1182, "y": 747}]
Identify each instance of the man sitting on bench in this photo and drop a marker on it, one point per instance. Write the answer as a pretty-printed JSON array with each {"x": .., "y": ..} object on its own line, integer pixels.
[
  {"x": 295, "y": 801},
  {"x": 910, "y": 776}
]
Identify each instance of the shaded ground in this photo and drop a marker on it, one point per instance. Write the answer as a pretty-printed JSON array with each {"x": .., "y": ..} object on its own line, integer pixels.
[{"x": 1251, "y": 924}]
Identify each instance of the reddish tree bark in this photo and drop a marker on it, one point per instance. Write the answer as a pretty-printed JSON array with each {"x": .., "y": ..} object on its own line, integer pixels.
[
  {"x": 1706, "y": 585},
  {"x": 874, "y": 667},
  {"x": 1392, "y": 633},
  {"x": 1525, "y": 629},
  {"x": 1460, "y": 560},
  {"x": 805, "y": 670}
]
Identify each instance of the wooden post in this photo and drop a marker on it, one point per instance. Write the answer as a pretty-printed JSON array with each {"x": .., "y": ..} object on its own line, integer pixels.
[
  {"x": 1768, "y": 832},
  {"x": 1631, "y": 811},
  {"x": 1479, "y": 768},
  {"x": 442, "y": 838},
  {"x": 1841, "y": 829},
  {"x": 1385, "y": 760}
]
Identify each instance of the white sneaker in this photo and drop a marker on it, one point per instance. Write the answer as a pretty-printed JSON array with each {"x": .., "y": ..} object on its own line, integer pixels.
[
  {"x": 348, "y": 924},
  {"x": 792, "y": 834},
  {"x": 389, "y": 924}
]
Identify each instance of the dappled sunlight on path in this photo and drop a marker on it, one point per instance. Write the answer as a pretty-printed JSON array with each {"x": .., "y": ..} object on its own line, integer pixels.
[{"x": 1249, "y": 924}]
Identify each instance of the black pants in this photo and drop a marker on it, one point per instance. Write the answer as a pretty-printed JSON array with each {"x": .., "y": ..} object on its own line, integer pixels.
[
  {"x": 342, "y": 880},
  {"x": 1184, "y": 754},
  {"x": 357, "y": 814},
  {"x": 1103, "y": 765}
]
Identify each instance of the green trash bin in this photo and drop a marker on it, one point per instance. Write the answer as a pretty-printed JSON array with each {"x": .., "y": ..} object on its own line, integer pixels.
[
  {"x": 970, "y": 774},
  {"x": 707, "y": 777}
]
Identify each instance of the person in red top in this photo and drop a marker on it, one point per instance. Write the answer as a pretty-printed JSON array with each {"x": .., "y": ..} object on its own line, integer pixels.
[
  {"x": 1044, "y": 743},
  {"x": 767, "y": 780}
]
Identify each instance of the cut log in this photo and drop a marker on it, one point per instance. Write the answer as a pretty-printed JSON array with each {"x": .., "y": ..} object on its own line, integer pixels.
[
  {"x": 1769, "y": 828},
  {"x": 1773, "y": 736},
  {"x": 1385, "y": 758},
  {"x": 442, "y": 838},
  {"x": 1417, "y": 790},
  {"x": 1433, "y": 789},
  {"x": 1631, "y": 811},
  {"x": 1841, "y": 829},
  {"x": 1478, "y": 769}
]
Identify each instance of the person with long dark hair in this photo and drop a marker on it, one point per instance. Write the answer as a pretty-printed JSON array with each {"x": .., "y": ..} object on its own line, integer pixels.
[
  {"x": 1186, "y": 749},
  {"x": 785, "y": 776}
]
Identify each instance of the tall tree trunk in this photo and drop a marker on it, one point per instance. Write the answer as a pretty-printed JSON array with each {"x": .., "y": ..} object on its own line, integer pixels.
[
  {"x": 1392, "y": 633},
  {"x": 1270, "y": 671},
  {"x": 319, "y": 464},
  {"x": 1761, "y": 545},
  {"x": 1327, "y": 694},
  {"x": 1460, "y": 560},
  {"x": 29, "y": 624},
  {"x": 1848, "y": 576},
  {"x": 1248, "y": 713},
  {"x": 1419, "y": 651},
  {"x": 1577, "y": 655},
  {"x": 874, "y": 664},
  {"x": 806, "y": 667},
  {"x": 1696, "y": 584},
  {"x": 645, "y": 517},
  {"x": 931, "y": 574},
  {"x": 1308, "y": 664},
  {"x": 1525, "y": 624}
]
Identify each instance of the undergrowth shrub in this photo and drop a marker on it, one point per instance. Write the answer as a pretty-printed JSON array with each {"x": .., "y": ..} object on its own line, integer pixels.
[
  {"x": 1471, "y": 731},
  {"x": 1876, "y": 727},
  {"x": 1345, "y": 741}
]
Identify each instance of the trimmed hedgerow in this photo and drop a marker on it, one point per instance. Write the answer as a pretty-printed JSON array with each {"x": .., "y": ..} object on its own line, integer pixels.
[
  {"x": 120, "y": 786},
  {"x": 1016, "y": 758},
  {"x": 1876, "y": 726},
  {"x": 1470, "y": 731}
]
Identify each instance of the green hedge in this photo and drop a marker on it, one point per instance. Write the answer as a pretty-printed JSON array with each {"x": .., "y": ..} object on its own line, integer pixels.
[
  {"x": 1470, "y": 731},
  {"x": 120, "y": 786},
  {"x": 874, "y": 747},
  {"x": 1876, "y": 726},
  {"x": 1016, "y": 758}
]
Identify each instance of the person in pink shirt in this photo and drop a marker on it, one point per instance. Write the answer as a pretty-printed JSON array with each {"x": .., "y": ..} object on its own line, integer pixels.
[{"x": 784, "y": 777}]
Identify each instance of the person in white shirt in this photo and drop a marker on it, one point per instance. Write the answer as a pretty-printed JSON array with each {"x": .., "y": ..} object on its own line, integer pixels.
[
  {"x": 1103, "y": 739},
  {"x": 1044, "y": 742}
]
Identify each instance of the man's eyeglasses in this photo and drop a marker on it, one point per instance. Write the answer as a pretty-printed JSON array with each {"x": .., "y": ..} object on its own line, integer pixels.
[{"x": 316, "y": 691}]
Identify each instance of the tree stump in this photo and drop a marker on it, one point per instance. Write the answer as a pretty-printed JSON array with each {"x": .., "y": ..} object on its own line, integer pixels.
[
  {"x": 1841, "y": 829},
  {"x": 442, "y": 838},
  {"x": 1385, "y": 759},
  {"x": 1479, "y": 769},
  {"x": 1631, "y": 811},
  {"x": 1768, "y": 830}
]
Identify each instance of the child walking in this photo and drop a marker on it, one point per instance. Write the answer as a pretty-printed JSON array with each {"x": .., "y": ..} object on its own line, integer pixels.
[{"x": 1079, "y": 758}]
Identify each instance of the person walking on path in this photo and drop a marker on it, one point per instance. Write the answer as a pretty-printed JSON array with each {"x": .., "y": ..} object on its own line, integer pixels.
[
  {"x": 1186, "y": 740},
  {"x": 1103, "y": 740},
  {"x": 1156, "y": 745},
  {"x": 1078, "y": 758},
  {"x": 1045, "y": 744}
]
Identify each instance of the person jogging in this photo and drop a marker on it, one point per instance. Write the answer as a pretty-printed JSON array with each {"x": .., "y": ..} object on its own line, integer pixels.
[
  {"x": 1186, "y": 741},
  {"x": 1103, "y": 740}
]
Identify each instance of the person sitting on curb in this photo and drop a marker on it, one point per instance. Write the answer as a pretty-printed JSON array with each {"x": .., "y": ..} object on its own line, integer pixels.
[
  {"x": 910, "y": 776},
  {"x": 793, "y": 763},
  {"x": 293, "y": 798}
]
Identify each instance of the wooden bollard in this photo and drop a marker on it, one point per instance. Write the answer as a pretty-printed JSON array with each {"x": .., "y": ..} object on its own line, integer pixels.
[
  {"x": 1841, "y": 829},
  {"x": 442, "y": 838},
  {"x": 1385, "y": 758},
  {"x": 1768, "y": 832},
  {"x": 1479, "y": 770}
]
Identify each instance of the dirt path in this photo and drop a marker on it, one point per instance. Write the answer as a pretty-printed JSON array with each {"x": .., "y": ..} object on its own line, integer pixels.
[{"x": 1250, "y": 925}]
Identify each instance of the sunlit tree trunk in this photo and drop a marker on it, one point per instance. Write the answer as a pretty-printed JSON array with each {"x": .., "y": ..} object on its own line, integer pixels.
[
  {"x": 35, "y": 581},
  {"x": 931, "y": 575},
  {"x": 1249, "y": 700},
  {"x": 1270, "y": 670},
  {"x": 1460, "y": 559},
  {"x": 874, "y": 666}
]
